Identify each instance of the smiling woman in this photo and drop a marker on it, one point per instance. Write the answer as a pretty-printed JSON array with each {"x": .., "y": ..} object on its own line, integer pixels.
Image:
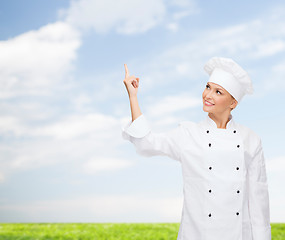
[
  {"x": 217, "y": 101},
  {"x": 223, "y": 165}
]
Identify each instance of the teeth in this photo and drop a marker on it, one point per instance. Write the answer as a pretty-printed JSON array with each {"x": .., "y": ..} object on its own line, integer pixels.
[{"x": 209, "y": 103}]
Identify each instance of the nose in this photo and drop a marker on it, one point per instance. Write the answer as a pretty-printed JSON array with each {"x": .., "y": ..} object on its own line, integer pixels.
[{"x": 209, "y": 95}]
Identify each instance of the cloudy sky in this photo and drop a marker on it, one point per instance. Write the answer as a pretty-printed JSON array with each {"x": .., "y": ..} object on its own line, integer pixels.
[{"x": 63, "y": 101}]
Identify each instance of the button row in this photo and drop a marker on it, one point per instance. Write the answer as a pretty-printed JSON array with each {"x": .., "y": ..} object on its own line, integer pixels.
[
  {"x": 237, "y": 168},
  {"x": 210, "y": 144},
  {"x": 210, "y": 190},
  {"x": 210, "y": 215},
  {"x": 233, "y": 131}
]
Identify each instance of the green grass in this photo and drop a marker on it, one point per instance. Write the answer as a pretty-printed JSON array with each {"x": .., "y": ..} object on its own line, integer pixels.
[{"x": 102, "y": 231}]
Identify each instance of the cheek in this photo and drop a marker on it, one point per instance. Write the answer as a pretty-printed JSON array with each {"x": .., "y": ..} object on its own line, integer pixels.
[{"x": 222, "y": 101}]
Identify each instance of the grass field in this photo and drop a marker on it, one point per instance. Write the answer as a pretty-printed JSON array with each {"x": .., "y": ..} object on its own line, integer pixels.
[{"x": 104, "y": 231}]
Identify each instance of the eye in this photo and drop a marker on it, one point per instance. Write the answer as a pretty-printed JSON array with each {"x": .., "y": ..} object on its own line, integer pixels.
[
  {"x": 219, "y": 92},
  {"x": 207, "y": 85}
]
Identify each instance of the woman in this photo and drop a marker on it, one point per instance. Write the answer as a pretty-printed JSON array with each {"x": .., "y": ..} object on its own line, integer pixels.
[{"x": 223, "y": 166}]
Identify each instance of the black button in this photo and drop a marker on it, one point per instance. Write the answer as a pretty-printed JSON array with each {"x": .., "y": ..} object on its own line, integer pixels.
[
  {"x": 237, "y": 191},
  {"x": 210, "y": 144},
  {"x": 238, "y": 146},
  {"x": 210, "y": 168},
  {"x": 210, "y": 215},
  {"x": 237, "y": 168},
  {"x": 207, "y": 131},
  {"x": 237, "y": 213},
  {"x": 210, "y": 190},
  {"x": 235, "y": 131}
]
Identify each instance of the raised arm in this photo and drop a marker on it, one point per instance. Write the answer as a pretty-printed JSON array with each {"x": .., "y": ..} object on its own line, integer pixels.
[
  {"x": 137, "y": 131},
  {"x": 132, "y": 85}
]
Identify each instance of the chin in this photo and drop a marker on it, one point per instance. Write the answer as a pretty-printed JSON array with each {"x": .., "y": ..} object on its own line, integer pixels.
[{"x": 206, "y": 109}]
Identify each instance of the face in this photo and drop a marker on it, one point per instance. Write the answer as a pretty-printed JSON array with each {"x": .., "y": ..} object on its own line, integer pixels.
[{"x": 217, "y": 100}]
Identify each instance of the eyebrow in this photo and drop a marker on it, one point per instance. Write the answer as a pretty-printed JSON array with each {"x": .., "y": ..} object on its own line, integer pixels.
[{"x": 216, "y": 87}]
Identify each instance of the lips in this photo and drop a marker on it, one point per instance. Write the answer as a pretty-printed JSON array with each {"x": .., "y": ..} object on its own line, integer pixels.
[{"x": 208, "y": 103}]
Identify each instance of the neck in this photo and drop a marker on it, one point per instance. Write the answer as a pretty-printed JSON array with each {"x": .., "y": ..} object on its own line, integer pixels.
[{"x": 220, "y": 120}]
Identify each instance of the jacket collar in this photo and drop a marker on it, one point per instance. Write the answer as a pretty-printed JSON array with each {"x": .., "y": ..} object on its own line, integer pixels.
[{"x": 211, "y": 123}]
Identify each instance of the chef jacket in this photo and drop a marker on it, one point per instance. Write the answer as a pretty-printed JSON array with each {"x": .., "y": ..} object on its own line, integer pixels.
[{"x": 224, "y": 177}]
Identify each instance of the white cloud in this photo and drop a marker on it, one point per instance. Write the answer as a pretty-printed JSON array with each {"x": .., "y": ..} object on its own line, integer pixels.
[
  {"x": 270, "y": 48},
  {"x": 279, "y": 68},
  {"x": 275, "y": 168},
  {"x": 110, "y": 208},
  {"x": 169, "y": 105},
  {"x": 10, "y": 125},
  {"x": 81, "y": 101},
  {"x": 181, "y": 3},
  {"x": 2, "y": 178},
  {"x": 173, "y": 27},
  {"x": 77, "y": 125},
  {"x": 97, "y": 165},
  {"x": 276, "y": 165},
  {"x": 277, "y": 210},
  {"x": 57, "y": 44},
  {"x": 88, "y": 140},
  {"x": 36, "y": 61},
  {"x": 69, "y": 127},
  {"x": 253, "y": 40},
  {"x": 247, "y": 43},
  {"x": 275, "y": 81},
  {"x": 188, "y": 7},
  {"x": 124, "y": 16},
  {"x": 33, "y": 64},
  {"x": 178, "y": 15},
  {"x": 33, "y": 61}
]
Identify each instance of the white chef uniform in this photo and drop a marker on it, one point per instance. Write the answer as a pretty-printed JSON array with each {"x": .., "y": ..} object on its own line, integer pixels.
[{"x": 224, "y": 175}]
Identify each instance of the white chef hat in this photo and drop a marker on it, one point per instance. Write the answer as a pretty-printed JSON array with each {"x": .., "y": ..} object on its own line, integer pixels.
[{"x": 229, "y": 75}]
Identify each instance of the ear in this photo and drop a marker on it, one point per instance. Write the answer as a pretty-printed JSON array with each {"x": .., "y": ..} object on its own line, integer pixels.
[{"x": 234, "y": 103}]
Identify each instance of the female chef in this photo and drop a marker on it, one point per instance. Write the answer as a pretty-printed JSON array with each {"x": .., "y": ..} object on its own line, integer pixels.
[{"x": 223, "y": 167}]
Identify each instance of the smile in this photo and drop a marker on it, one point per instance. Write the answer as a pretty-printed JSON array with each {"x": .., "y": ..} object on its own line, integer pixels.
[{"x": 208, "y": 103}]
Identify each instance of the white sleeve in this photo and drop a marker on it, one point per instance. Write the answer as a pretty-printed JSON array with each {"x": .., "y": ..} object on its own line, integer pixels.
[
  {"x": 148, "y": 143},
  {"x": 259, "y": 197}
]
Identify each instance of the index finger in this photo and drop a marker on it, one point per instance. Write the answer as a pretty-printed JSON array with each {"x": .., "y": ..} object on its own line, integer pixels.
[{"x": 126, "y": 70}]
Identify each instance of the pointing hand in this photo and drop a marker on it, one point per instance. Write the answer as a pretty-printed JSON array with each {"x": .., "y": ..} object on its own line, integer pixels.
[{"x": 131, "y": 82}]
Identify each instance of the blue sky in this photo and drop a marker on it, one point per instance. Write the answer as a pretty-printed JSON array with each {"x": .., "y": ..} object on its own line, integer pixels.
[{"x": 63, "y": 101}]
